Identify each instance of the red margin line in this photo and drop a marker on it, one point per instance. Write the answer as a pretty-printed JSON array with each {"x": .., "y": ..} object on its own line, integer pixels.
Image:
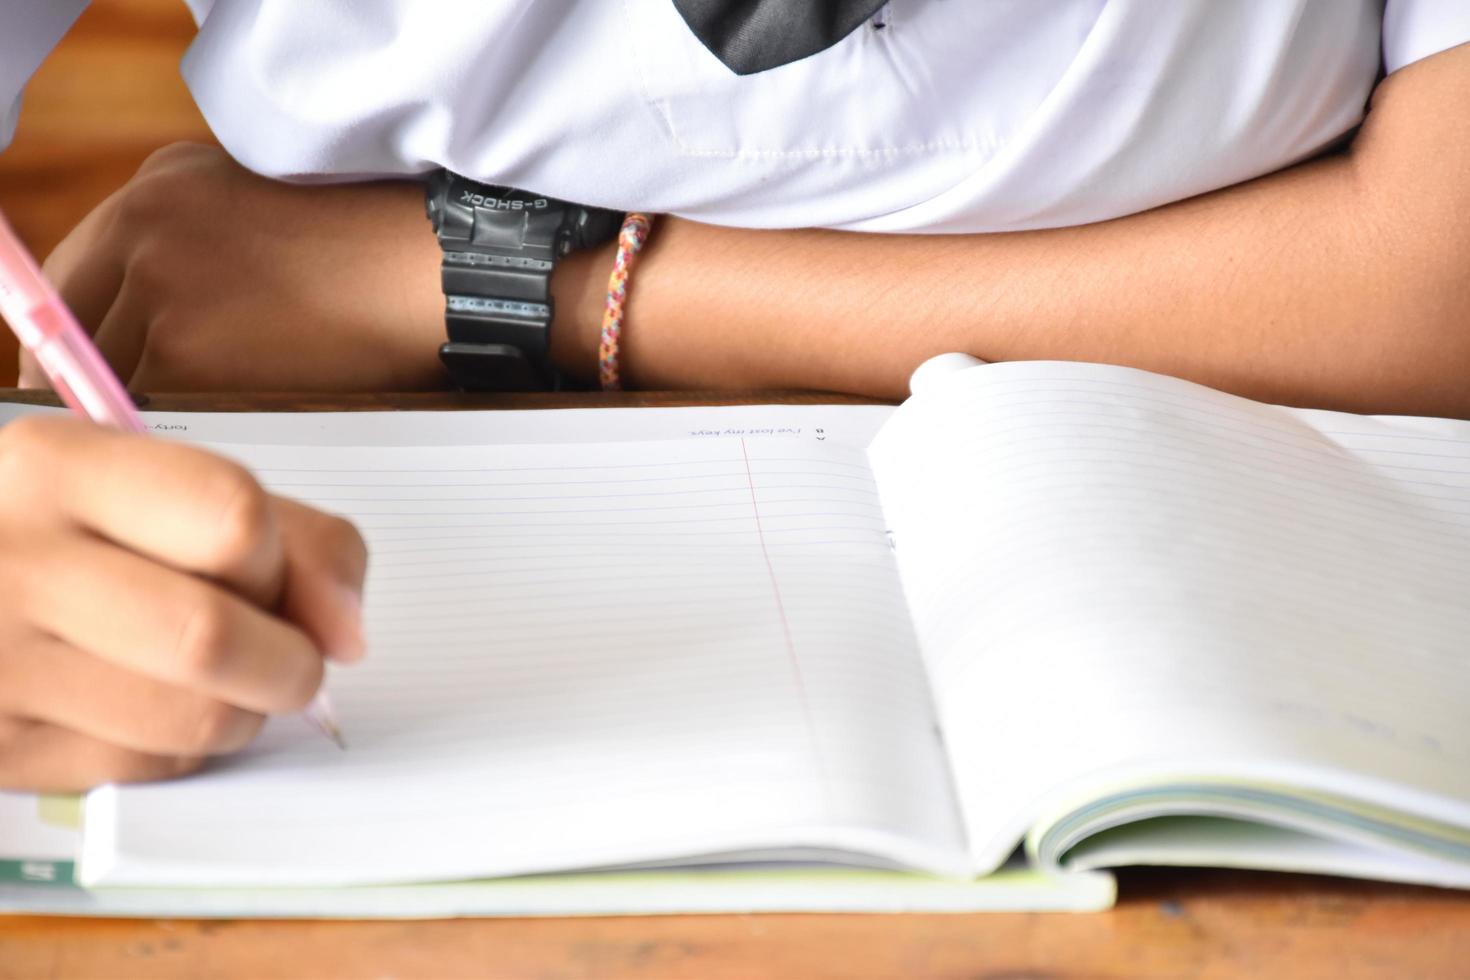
[{"x": 806, "y": 710}]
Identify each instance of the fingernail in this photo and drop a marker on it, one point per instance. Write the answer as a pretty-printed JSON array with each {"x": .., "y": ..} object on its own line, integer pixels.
[{"x": 352, "y": 645}]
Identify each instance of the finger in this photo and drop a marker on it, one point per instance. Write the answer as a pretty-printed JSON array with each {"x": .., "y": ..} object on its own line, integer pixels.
[
  {"x": 29, "y": 372},
  {"x": 170, "y": 626},
  {"x": 38, "y": 757},
  {"x": 173, "y": 503},
  {"x": 326, "y": 564},
  {"x": 122, "y": 333},
  {"x": 87, "y": 266},
  {"x": 50, "y": 681}
]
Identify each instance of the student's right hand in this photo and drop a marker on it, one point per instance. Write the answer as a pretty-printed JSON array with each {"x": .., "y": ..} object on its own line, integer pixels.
[{"x": 155, "y": 605}]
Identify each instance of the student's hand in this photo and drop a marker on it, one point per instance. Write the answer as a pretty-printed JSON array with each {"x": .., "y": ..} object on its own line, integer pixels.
[
  {"x": 155, "y": 605},
  {"x": 200, "y": 275}
]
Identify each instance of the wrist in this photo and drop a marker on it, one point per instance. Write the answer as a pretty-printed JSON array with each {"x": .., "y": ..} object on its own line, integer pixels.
[{"x": 579, "y": 292}]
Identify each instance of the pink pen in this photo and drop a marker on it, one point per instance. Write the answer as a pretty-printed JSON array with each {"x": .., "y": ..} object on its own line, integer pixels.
[{"x": 78, "y": 372}]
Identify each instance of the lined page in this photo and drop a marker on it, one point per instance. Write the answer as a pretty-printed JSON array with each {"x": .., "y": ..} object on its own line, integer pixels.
[
  {"x": 580, "y": 655},
  {"x": 1114, "y": 572}
]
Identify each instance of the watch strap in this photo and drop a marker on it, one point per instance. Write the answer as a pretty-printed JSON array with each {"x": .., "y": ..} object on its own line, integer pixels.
[
  {"x": 499, "y": 250},
  {"x": 500, "y": 246}
]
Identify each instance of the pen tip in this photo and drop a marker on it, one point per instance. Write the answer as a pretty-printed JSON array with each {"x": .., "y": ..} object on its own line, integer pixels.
[
  {"x": 335, "y": 734},
  {"x": 324, "y": 717}
]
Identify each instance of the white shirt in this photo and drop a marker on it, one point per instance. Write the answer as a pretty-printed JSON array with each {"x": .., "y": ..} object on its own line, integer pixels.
[{"x": 958, "y": 115}]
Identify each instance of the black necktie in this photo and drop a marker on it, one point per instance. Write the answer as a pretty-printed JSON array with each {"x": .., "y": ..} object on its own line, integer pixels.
[{"x": 753, "y": 35}]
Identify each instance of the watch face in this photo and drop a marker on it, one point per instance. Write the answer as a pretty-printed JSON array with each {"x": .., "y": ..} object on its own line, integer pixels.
[
  {"x": 469, "y": 195},
  {"x": 578, "y": 227},
  {"x": 436, "y": 191},
  {"x": 593, "y": 226}
]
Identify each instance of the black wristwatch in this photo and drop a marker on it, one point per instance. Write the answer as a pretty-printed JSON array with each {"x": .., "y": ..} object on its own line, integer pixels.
[{"x": 500, "y": 247}]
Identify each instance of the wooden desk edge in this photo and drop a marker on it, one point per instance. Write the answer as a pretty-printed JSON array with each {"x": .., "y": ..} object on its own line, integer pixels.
[{"x": 451, "y": 401}]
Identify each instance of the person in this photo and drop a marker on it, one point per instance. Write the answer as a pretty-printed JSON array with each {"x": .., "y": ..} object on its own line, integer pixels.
[{"x": 1265, "y": 196}]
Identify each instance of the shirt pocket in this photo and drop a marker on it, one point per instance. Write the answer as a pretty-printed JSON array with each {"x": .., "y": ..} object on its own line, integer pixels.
[{"x": 939, "y": 77}]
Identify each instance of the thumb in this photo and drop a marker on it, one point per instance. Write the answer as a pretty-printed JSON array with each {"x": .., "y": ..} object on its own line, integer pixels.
[
  {"x": 326, "y": 564},
  {"x": 31, "y": 375}
]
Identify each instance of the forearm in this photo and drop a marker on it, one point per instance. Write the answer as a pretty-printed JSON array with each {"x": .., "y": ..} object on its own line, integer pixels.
[{"x": 1327, "y": 284}]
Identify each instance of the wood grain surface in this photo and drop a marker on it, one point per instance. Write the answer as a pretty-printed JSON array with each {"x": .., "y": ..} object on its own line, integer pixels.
[
  {"x": 107, "y": 97},
  {"x": 1168, "y": 923}
]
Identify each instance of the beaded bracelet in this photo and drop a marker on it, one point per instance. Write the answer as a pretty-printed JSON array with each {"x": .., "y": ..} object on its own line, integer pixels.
[{"x": 635, "y": 231}]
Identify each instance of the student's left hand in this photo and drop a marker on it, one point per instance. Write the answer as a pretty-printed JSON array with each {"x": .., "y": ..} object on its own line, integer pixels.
[{"x": 199, "y": 275}]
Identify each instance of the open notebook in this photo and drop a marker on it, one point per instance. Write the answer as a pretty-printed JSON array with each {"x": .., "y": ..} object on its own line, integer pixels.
[{"x": 1123, "y": 618}]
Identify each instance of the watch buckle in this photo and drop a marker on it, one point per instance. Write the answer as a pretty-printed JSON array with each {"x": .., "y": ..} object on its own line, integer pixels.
[{"x": 491, "y": 367}]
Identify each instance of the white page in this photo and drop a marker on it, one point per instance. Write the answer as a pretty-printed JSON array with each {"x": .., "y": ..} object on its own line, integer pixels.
[
  {"x": 1216, "y": 843},
  {"x": 848, "y": 425},
  {"x": 723, "y": 890},
  {"x": 1117, "y": 573},
  {"x": 580, "y": 656}
]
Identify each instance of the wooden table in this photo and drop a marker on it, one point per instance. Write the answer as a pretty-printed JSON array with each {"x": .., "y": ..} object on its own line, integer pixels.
[{"x": 1168, "y": 923}]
